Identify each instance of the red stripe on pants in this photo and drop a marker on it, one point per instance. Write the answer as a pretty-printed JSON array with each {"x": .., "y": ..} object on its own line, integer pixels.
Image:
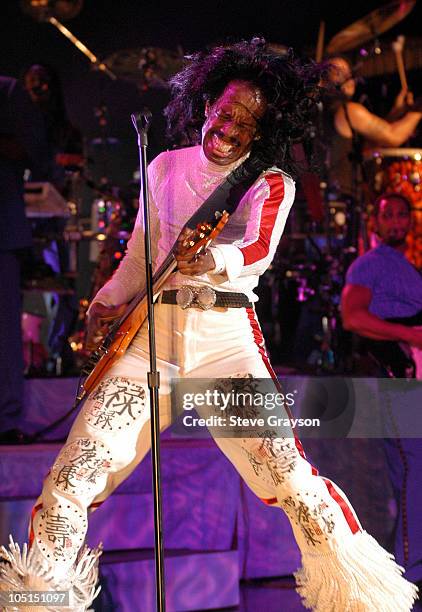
[
  {"x": 347, "y": 512},
  {"x": 31, "y": 529},
  {"x": 259, "y": 341}
]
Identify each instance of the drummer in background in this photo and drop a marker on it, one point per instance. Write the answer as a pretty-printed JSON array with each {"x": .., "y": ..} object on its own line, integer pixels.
[{"x": 348, "y": 124}]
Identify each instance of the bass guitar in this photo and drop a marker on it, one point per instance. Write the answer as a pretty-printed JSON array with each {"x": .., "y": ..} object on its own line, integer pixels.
[
  {"x": 124, "y": 329},
  {"x": 397, "y": 359}
]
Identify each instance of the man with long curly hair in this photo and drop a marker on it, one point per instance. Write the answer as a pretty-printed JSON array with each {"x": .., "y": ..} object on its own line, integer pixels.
[{"x": 234, "y": 104}]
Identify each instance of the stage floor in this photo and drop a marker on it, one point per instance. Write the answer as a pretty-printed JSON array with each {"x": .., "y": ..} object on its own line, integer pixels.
[{"x": 269, "y": 595}]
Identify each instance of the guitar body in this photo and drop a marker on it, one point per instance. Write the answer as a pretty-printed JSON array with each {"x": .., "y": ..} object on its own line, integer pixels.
[
  {"x": 123, "y": 331},
  {"x": 396, "y": 359},
  {"x": 393, "y": 358},
  {"x": 119, "y": 345}
]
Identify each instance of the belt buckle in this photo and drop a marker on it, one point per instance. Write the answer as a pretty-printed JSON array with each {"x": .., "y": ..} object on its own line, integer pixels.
[
  {"x": 204, "y": 297},
  {"x": 185, "y": 297}
]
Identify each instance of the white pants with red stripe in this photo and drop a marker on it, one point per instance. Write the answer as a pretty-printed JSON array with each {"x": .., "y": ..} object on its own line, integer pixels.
[{"x": 111, "y": 435}]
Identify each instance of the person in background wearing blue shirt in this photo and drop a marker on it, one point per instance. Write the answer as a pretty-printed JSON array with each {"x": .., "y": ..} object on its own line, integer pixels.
[
  {"x": 382, "y": 300},
  {"x": 382, "y": 284}
]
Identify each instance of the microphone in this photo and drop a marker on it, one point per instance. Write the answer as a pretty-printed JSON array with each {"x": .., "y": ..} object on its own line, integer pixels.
[
  {"x": 141, "y": 122},
  {"x": 142, "y": 119}
]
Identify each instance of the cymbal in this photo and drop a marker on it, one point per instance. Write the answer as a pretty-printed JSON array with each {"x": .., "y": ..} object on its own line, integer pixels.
[
  {"x": 370, "y": 26},
  {"x": 149, "y": 67},
  {"x": 42, "y": 10}
]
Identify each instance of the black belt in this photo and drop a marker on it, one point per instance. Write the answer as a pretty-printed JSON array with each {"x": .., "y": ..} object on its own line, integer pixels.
[{"x": 223, "y": 299}]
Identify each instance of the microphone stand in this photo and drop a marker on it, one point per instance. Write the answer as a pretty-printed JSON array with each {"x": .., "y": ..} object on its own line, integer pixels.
[{"x": 141, "y": 123}]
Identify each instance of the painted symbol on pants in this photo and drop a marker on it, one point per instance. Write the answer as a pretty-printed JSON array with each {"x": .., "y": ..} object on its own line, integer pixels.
[
  {"x": 81, "y": 466},
  {"x": 60, "y": 531},
  {"x": 315, "y": 522},
  {"x": 115, "y": 404}
]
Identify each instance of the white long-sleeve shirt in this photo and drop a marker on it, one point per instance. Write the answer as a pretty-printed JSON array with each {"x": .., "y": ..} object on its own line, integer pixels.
[{"x": 179, "y": 182}]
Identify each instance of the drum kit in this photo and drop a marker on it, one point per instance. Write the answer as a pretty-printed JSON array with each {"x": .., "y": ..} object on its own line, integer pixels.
[{"x": 305, "y": 280}]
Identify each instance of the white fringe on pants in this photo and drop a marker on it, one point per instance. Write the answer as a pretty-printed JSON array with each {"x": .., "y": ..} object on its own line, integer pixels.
[
  {"x": 26, "y": 570},
  {"x": 359, "y": 576}
]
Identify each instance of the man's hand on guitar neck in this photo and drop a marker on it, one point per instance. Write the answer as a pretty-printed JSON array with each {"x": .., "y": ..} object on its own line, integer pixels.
[
  {"x": 99, "y": 319},
  {"x": 202, "y": 264}
]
